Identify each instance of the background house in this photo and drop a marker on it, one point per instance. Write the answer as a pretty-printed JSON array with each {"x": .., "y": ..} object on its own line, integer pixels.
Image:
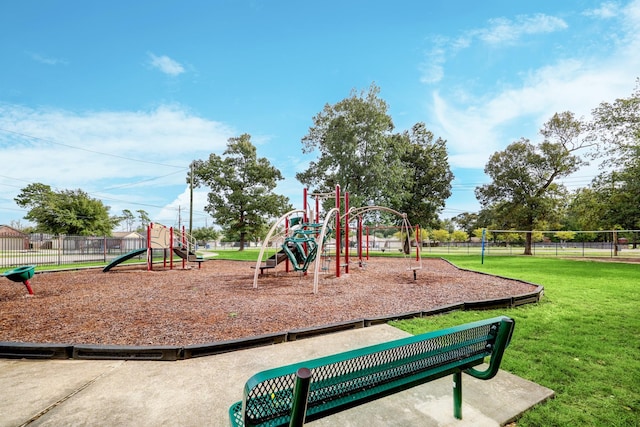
[{"x": 12, "y": 239}]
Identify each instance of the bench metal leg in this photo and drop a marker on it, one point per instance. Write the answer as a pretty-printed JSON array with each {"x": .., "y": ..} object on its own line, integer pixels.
[
  {"x": 457, "y": 395},
  {"x": 300, "y": 395}
]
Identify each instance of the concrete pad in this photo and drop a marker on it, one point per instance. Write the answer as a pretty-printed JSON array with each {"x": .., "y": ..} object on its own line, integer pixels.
[
  {"x": 32, "y": 387},
  {"x": 199, "y": 391},
  {"x": 489, "y": 403}
]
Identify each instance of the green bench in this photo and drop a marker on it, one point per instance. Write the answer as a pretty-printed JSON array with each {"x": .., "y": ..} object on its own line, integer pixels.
[{"x": 293, "y": 394}]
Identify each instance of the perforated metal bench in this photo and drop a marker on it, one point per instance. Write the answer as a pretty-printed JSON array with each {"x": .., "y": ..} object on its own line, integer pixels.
[{"x": 293, "y": 394}]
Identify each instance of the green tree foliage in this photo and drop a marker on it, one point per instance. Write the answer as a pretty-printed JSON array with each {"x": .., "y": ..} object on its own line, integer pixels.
[
  {"x": 488, "y": 236},
  {"x": 241, "y": 197},
  {"x": 205, "y": 234},
  {"x": 524, "y": 188},
  {"x": 507, "y": 237},
  {"x": 536, "y": 236},
  {"x": 466, "y": 221},
  {"x": 565, "y": 236},
  {"x": 460, "y": 236},
  {"x": 128, "y": 218},
  {"x": 428, "y": 181},
  {"x": 616, "y": 128},
  {"x": 358, "y": 150},
  {"x": 70, "y": 212},
  {"x": 441, "y": 235},
  {"x": 143, "y": 216},
  {"x": 614, "y": 202}
]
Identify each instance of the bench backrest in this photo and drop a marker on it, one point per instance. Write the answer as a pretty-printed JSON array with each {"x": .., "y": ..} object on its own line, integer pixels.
[{"x": 349, "y": 378}]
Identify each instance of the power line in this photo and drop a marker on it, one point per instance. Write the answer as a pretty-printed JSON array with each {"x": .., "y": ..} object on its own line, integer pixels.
[
  {"x": 100, "y": 196},
  {"x": 116, "y": 187},
  {"x": 48, "y": 141}
]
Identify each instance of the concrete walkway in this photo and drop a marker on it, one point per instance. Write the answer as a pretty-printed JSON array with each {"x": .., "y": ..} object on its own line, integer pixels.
[{"x": 199, "y": 391}]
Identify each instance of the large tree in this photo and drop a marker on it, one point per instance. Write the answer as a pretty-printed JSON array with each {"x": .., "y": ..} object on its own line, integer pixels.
[
  {"x": 427, "y": 183},
  {"x": 612, "y": 201},
  {"x": 467, "y": 221},
  {"x": 128, "y": 218},
  {"x": 205, "y": 234},
  {"x": 145, "y": 220},
  {"x": 586, "y": 211},
  {"x": 524, "y": 190},
  {"x": 241, "y": 184},
  {"x": 357, "y": 150},
  {"x": 616, "y": 129},
  {"x": 70, "y": 212}
]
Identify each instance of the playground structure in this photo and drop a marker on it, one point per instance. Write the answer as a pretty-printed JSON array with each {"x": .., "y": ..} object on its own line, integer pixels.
[
  {"x": 21, "y": 274},
  {"x": 170, "y": 240},
  {"x": 300, "y": 237}
]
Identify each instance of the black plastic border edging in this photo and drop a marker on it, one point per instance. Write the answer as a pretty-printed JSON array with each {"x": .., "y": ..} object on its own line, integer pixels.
[
  {"x": 297, "y": 334},
  {"x": 115, "y": 352},
  {"x": 200, "y": 350},
  {"x": 19, "y": 350}
]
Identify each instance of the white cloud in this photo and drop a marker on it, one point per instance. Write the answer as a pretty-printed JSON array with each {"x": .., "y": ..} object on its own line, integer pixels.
[
  {"x": 118, "y": 156},
  {"x": 476, "y": 125},
  {"x": 506, "y": 31},
  {"x": 631, "y": 19},
  {"x": 166, "y": 64},
  {"x": 43, "y": 59},
  {"x": 468, "y": 137},
  {"x": 431, "y": 69},
  {"x": 177, "y": 211},
  {"x": 500, "y": 31},
  {"x": 606, "y": 10},
  {"x": 475, "y": 132}
]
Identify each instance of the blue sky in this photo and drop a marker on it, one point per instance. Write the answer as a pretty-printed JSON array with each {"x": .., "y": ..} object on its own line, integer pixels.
[{"x": 117, "y": 98}]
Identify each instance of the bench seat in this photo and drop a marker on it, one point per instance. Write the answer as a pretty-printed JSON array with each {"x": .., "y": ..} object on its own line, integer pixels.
[{"x": 348, "y": 379}]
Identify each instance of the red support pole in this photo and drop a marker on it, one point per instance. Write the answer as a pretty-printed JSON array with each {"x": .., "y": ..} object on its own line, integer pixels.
[
  {"x": 367, "y": 243},
  {"x": 338, "y": 239},
  {"x": 317, "y": 209},
  {"x": 170, "y": 251},
  {"x": 360, "y": 242},
  {"x": 304, "y": 205},
  {"x": 286, "y": 233},
  {"x": 149, "y": 249},
  {"x": 346, "y": 232},
  {"x": 28, "y": 285}
]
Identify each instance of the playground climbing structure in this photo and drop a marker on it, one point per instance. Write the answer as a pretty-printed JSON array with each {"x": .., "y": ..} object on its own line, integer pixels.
[
  {"x": 168, "y": 239},
  {"x": 301, "y": 239}
]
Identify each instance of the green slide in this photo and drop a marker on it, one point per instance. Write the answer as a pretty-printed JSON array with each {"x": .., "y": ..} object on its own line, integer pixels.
[{"x": 123, "y": 258}]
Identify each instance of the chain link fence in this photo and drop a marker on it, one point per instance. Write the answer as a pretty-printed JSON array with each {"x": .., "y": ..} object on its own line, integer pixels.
[
  {"x": 583, "y": 244},
  {"x": 18, "y": 249},
  {"x": 42, "y": 249}
]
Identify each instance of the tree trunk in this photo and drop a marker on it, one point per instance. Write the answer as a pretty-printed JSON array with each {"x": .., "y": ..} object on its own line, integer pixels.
[
  {"x": 242, "y": 239},
  {"x": 527, "y": 244}
]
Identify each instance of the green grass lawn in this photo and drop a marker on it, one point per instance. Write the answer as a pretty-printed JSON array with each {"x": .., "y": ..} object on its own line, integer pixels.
[
  {"x": 582, "y": 340},
  {"x": 249, "y": 254}
]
